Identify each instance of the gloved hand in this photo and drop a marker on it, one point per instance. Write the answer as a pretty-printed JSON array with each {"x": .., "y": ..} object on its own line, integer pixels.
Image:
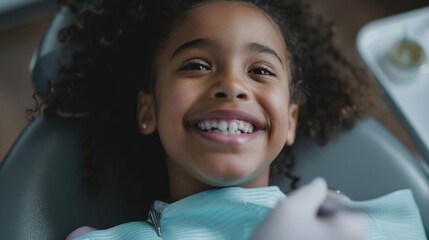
[{"x": 300, "y": 217}]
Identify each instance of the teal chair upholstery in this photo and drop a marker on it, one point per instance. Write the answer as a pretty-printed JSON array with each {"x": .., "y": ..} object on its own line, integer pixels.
[
  {"x": 40, "y": 187},
  {"x": 41, "y": 195}
]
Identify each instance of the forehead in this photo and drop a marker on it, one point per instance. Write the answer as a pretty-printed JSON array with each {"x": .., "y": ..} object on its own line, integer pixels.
[
  {"x": 220, "y": 9},
  {"x": 234, "y": 22}
]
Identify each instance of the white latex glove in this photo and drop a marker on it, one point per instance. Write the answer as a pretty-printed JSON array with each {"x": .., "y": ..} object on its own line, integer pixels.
[{"x": 296, "y": 218}]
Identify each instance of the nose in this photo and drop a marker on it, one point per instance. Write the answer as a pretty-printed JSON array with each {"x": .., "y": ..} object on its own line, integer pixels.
[{"x": 229, "y": 87}]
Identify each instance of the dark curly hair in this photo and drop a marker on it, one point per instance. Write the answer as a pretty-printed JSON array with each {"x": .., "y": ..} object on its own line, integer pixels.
[{"x": 113, "y": 44}]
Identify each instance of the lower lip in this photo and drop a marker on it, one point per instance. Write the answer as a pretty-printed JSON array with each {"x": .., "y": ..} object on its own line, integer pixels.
[{"x": 220, "y": 138}]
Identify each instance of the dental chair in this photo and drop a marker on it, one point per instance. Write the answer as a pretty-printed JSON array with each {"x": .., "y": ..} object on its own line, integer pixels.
[{"x": 41, "y": 195}]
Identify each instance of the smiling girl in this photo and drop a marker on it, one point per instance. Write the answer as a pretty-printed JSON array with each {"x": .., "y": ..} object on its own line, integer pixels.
[{"x": 220, "y": 89}]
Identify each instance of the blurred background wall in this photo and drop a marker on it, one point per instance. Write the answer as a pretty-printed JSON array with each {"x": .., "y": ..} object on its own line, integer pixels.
[{"x": 19, "y": 36}]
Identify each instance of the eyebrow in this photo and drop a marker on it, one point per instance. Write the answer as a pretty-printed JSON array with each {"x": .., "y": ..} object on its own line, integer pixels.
[
  {"x": 205, "y": 42},
  {"x": 260, "y": 48},
  {"x": 196, "y": 43}
]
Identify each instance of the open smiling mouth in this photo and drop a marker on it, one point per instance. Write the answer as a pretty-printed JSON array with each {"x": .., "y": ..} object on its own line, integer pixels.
[{"x": 227, "y": 127}]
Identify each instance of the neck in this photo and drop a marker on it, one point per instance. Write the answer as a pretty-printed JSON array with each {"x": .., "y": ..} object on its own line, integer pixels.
[{"x": 182, "y": 184}]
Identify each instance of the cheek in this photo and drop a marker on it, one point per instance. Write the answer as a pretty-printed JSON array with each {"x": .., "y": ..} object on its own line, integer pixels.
[
  {"x": 276, "y": 100},
  {"x": 172, "y": 104},
  {"x": 278, "y": 111}
]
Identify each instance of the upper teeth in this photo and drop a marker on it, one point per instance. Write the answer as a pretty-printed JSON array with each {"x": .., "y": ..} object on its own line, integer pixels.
[{"x": 232, "y": 127}]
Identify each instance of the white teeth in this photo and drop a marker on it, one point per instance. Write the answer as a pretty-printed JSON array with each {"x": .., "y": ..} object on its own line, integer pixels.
[
  {"x": 229, "y": 127},
  {"x": 233, "y": 126},
  {"x": 207, "y": 125},
  {"x": 240, "y": 125},
  {"x": 223, "y": 126}
]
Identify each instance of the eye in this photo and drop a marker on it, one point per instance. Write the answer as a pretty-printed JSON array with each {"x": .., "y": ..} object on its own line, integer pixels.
[
  {"x": 195, "y": 66},
  {"x": 262, "y": 71}
]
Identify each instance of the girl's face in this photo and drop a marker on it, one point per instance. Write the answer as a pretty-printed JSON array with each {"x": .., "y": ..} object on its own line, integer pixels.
[{"x": 221, "y": 103}]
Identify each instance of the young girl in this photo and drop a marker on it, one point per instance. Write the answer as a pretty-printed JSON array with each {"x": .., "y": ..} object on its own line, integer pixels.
[{"x": 210, "y": 95}]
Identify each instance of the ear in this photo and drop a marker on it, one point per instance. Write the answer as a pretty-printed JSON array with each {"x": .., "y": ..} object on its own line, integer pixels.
[
  {"x": 146, "y": 114},
  {"x": 293, "y": 120}
]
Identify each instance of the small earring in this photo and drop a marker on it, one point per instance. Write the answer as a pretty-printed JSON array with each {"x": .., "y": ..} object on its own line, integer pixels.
[{"x": 144, "y": 126}]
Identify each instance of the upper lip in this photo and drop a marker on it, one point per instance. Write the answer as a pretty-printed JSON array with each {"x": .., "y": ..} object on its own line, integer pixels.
[{"x": 226, "y": 115}]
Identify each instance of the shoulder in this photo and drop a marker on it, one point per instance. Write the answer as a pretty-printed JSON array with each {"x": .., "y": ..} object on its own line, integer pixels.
[
  {"x": 132, "y": 230},
  {"x": 393, "y": 216}
]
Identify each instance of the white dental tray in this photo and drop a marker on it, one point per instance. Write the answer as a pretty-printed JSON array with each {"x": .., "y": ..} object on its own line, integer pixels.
[{"x": 406, "y": 89}]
